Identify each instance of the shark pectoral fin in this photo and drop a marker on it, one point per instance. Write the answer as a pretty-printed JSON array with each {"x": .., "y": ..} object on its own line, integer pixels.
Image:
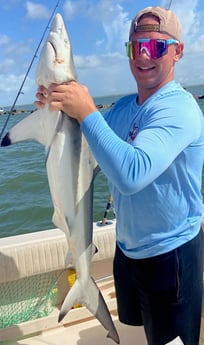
[
  {"x": 6, "y": 141},
  {"x": 27, "y": 129},
  {"x": 35, "y": 127},
  {"x": 61, "y": 221}
]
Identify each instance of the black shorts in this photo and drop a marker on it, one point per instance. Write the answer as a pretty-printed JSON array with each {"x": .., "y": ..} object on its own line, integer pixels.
[{"x": 163, "y": 293}]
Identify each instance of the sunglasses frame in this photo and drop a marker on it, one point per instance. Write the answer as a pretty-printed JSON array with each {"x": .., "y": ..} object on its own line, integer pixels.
[{"x": 132, "y": 54}]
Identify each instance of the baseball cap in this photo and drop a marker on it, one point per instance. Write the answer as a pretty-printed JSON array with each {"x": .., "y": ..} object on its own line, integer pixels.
[{"x": 168, "y": 22}]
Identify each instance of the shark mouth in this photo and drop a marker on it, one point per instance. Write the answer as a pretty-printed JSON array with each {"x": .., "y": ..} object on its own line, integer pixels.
[{"x": 57, "y": 59}]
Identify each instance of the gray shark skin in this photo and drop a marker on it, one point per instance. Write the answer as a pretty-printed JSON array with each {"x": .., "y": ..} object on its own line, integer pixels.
[{"x": 71, "y": 169}]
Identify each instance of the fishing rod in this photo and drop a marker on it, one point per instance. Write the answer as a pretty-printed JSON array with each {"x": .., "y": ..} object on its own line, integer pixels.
[
  {"x": 29, "y": 67},
  {"x": 169, "y": 5}
]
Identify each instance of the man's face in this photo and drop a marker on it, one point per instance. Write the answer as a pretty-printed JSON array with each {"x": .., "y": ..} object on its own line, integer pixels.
[{"x": 151, "y": 74}]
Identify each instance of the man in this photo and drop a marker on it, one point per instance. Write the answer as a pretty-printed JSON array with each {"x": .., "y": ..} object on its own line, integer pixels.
[{"x": 151, "y": 147}]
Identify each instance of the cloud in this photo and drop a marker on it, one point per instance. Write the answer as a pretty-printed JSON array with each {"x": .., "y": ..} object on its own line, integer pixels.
[
  {"x": 10, "y": 4},
  {"x": 116, "y": 25},
  {"x": 109, "y": 69},
  {"x": 36, "y": 10},
  {"x": 4, "y": 39},
  {"x": 192, "y": 22},
  {"x": 109, "y": 14},
  {"x": 197, "y": 46},
  {"x": 17, "y": 48},
  {"x": 191, "y": 76},
  {"x": 93, "y": 61},
  {"x": 90, "y": 61},
  {"x": 70, "y": 9},
  {"x": 191, "y": 19},
  {"x": 5, "y": 67},
  {"x": 193, "y": 37},
  {"x": 10, "y": 85},
  {"x": 99, "y": 42},
  {"x": 16, "y": 57}
]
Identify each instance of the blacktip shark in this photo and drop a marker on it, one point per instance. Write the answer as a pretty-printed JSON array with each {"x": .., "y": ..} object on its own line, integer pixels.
[{"x": 71, "y": 169}]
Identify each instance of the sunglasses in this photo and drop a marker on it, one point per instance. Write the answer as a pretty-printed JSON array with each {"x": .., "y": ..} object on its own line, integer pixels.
[{"x": 154, "y": 48}]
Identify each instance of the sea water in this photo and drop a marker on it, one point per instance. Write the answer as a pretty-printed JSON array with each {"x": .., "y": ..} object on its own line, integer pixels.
[{"x": 25, "y": 201}]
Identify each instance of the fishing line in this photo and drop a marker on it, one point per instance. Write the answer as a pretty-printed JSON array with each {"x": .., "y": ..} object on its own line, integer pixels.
[
  {"x": 169, "y": 4},
  {"x": 28, "y": 70}
]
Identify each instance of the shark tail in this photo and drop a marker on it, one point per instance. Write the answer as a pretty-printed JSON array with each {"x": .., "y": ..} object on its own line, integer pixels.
[{"x": 89, "y": 295}]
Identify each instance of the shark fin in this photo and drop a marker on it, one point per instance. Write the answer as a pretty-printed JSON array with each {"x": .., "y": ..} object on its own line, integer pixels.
[
  {"x": 89, "y": 295},
  {"x": 94, "y": 249},
  {"x": 71, "y": 298},
  {"x": 27, "y": 129},
  {"x": 34, "y": 127}
]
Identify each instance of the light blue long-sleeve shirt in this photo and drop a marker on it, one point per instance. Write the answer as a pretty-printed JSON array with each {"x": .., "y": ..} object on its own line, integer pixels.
[{"x": 152, "y": 155}]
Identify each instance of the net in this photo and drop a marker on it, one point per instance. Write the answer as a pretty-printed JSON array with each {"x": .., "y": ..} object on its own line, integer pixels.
[{"x": 28, "y": 298}]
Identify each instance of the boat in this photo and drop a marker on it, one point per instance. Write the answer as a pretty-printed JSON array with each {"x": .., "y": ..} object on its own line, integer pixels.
[
  {"x": 29, "y": 316},
  {"x": 34, "y": 281},
  {"x": 1, "y": 110}
]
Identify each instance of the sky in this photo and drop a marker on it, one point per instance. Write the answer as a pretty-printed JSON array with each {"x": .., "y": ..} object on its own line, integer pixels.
[{"x": 97, "y": 30}]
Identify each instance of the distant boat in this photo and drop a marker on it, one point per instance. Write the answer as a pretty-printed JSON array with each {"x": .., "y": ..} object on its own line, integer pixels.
[{"x": 1, "y": 110}]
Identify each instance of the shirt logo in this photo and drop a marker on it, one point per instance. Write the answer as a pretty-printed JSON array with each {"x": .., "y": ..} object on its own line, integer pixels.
[{"x": 133, "y": 133}]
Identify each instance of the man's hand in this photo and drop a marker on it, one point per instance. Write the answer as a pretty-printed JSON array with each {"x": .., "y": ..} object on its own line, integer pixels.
[{"x": 72, "y": 98}]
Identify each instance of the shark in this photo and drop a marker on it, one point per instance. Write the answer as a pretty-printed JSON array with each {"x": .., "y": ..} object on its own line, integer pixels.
[{"x": 71, "y": 169}]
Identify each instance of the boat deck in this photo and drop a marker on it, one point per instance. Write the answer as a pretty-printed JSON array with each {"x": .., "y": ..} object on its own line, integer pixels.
[
  {"x": 86, "y": 330},
  {"x": 79, "y": 328}
]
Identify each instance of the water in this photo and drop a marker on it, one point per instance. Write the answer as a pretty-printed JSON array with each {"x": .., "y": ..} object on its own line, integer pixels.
[{"x": 25, "y": 201}]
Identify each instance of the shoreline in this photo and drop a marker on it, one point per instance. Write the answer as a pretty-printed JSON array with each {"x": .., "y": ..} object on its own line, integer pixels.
[{"x": 22, "y": 111}]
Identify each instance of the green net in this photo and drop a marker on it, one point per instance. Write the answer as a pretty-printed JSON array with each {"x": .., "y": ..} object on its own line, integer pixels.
[{"x": 28, "y": 298}]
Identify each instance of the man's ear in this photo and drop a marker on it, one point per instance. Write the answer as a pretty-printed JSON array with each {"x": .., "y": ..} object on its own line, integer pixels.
[{"x": 178, "y": 51}]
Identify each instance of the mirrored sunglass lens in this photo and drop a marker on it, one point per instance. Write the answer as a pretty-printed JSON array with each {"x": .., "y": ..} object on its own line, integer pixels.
[
  {"x": 154, "y": 48},
  {"x": 129, "y": 50},
  {"x": 127, "y": 46},
  {"x": 161, "y": 48}
]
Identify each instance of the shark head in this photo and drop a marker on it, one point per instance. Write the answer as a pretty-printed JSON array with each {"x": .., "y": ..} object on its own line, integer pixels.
[{"x": 56, "y": 60}]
